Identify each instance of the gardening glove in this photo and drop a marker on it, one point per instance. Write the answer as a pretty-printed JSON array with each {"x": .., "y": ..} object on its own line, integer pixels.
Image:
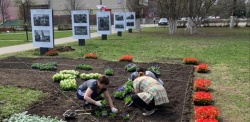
[
  {"x": 114, "y": 110},
  {"x": 98, "y": 103}
]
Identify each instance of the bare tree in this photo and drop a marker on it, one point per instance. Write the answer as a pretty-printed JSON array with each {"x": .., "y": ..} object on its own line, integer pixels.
[
  {"x": 4, "y": 5},
  {"x": 74, "y": 5}
]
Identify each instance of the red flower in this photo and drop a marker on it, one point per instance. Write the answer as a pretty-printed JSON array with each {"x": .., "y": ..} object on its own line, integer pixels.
[
  {"x": 190, "y": 60},
  {"x": 90, "y": 55},
  {"x": 51, "y": 53},
  {"x": 202, "y": 68},
  {"x": 206, "y": 112},
  {"x": 202, "y": 98},
  {"x": 201, "y": 84},
  {"x": 206, "y": 120},
  {"x": 126, "y": 58}
]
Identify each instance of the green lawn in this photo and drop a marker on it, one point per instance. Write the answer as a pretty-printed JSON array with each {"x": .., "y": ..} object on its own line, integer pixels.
[
  {"x": 19, "y": 37},
  {"x": 225, "y": 50}
]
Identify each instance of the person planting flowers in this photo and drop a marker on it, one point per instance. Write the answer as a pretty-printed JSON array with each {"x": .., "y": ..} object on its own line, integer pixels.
[
  {"x": 147, "y": 73},
  {"x": 149, "y": 93},
  {"x": 91, "y": 89}
]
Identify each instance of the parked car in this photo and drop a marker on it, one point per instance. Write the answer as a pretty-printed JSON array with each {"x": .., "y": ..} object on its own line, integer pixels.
[{"x": 163, "y": 22}]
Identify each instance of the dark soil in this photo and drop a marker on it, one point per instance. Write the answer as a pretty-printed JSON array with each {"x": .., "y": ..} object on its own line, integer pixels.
[{"x": 16, "y": 71}]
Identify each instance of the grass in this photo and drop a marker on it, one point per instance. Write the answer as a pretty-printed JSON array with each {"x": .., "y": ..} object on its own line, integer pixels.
[
  {"x": 225, "y": 50},
  {"x": 14, "y": 99},
  {"x": 9, "y": 39}
]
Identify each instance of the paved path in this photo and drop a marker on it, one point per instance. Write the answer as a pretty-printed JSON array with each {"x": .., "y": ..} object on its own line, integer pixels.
[{"x": 29, "y": 46}]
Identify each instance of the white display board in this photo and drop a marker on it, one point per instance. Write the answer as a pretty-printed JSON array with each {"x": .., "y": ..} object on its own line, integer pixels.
[
  {"x": 42, "y": 28},
  {"x": 120, "y": 21},
  {"x": 80, "y": 24},
  {"x": 103, "y": 22},
  {"x": 130, "y": 20}
]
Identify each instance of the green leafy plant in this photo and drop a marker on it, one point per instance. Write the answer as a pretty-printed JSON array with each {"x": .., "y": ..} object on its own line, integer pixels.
[
  {"x": 104, "y": 102},
  {"x": 36, "y": 65},
  {"x": 68, "y": 84},
  {"x": 108, "y": 71},
  {"x": 98, "y": 113},
  {"x": 125, "y": 116},
  {"x": 85, "y": 76},
  {"x": 73, "y": 72},
  {"x": 48, "y": 67},
  {"x": 128, "y": 100},
  {"x": 84, "y": 67},
  {"x": 130, "y": 67},
  {"x": 155, "y": 68},
  {"x": 119, "y": 95},
  {"x": 128, "y": 89},
  {"x": 104, "y": 112},
  {"x": 112, "y": 115}
]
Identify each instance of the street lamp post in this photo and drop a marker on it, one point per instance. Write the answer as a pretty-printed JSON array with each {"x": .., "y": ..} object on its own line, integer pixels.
[{"x": 25, "y": 23}]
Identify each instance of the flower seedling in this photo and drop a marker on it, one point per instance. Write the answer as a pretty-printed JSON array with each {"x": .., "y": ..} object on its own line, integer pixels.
[
  {"x": 108, "y": 71},
  {"x": 125, "y": 116},
  {"x": 128, "y": 100},
  {"x": 128, "y": 89},
  {"x": 202, "y": 98},
  {"x": 84, "y": 76},
  {"x": 112, "y": 115},
  {"x": 202, "y": 68},
  {"x": 126, "y": 58},
  {"x": 84, "y": 67},
  {"x": 98, "y": 113},
  {"x": 68, "y": 84},
  {"x": 130, "y": 67},
  {"x": 104, "y": 103},
  {"x": 51, "y": 53},
  {"x": 119, "y": 95},
  {"x": 155, "y": 68},
  {"x": 201, "y": 85},
  {"x": 206, "y": 112},
  {"x": 36, "y": 65},
  {"x": 190, "y": 60},
  {"x": 90, "y": 55}
]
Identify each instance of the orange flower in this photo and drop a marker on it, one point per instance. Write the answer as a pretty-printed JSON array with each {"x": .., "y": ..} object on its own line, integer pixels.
[
  {"x": 90, "y": 55},
  {"x": 126, "y": 58},
  {"x": 201, "y": 84},
  {"x": 202, "y": 98},
  {"x": 202, "y": 68},
  {"x": 51, "y": 53},
  {"x": 206, "y": 112},
  {"x": 190, "y": 60},
  {"x": 206, "y": 120}
]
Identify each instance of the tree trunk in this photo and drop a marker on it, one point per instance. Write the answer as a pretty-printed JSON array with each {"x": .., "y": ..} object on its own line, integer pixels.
[
  {"x": 138, "y": 25},
  {"x": 191, "y": 26},
  {"x": 172, "y": 26},
  {"x": 232, "y": 21}
]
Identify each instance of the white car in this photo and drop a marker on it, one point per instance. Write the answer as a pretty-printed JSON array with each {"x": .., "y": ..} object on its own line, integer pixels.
[{"x": 163, "y": 22}]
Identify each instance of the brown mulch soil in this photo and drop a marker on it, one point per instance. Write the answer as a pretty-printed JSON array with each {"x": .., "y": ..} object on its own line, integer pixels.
[{"x": 16, "y": 71}]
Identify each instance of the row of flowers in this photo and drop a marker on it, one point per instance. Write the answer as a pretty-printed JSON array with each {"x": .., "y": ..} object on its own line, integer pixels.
[
  {"x": 122, "y": 58},
  {"x": 204, "y": 111}
]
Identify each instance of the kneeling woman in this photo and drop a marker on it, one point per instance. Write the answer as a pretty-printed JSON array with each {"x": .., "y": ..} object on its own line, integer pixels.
[
  {"x": 148, "y": 93},
  {"x": 91, "y": 89}
]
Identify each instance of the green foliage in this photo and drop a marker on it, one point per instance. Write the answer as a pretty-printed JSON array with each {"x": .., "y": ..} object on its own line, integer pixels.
[
  {"x": 84, "y": 67},
  {"x": 130, "y": 67},
  {"x": 155, "y": 68},
  {"x": 50, "y": 66},
  {"x": 68, "y": 84},
  {"x": 128, "y": 100},
  {"x": 24, "y": 117},
  {"x": 85, "y": 76},
  {"x": 108, "y": 71},
  {"x": 112, "y": 115},
  {"x": 104, "y": 102},
  {"x": 119, "y": 95},
  {"x": 73, "y": 72}
]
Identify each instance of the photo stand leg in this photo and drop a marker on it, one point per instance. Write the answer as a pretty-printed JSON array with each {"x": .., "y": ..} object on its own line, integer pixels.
[
  {"x": 43, "y": 50},
  {"x": 130, "y": 30},
  {"x": 104, "y": 37},
  {"x": 81, "y": 42},
  {"x": 119, "y": 33}
]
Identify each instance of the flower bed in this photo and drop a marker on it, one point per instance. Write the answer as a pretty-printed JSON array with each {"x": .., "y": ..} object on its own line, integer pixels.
[{"x": 206, "y": 112}]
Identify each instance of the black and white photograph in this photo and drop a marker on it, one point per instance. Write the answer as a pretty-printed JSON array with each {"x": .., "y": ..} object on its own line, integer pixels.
[
  {"x": 130, "y": 16},
  {"x": 130, "y": 24},
  {"x": 119, "y": 26},
  {"x": 42, "y": 35},
  {"x": 103, "y": 23},
  {"x": 119, "y": 18},
  {"x": 41, "y": 20},
  {"x": 81, "y": 30},
  {"x": 80, "y": 18}
]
